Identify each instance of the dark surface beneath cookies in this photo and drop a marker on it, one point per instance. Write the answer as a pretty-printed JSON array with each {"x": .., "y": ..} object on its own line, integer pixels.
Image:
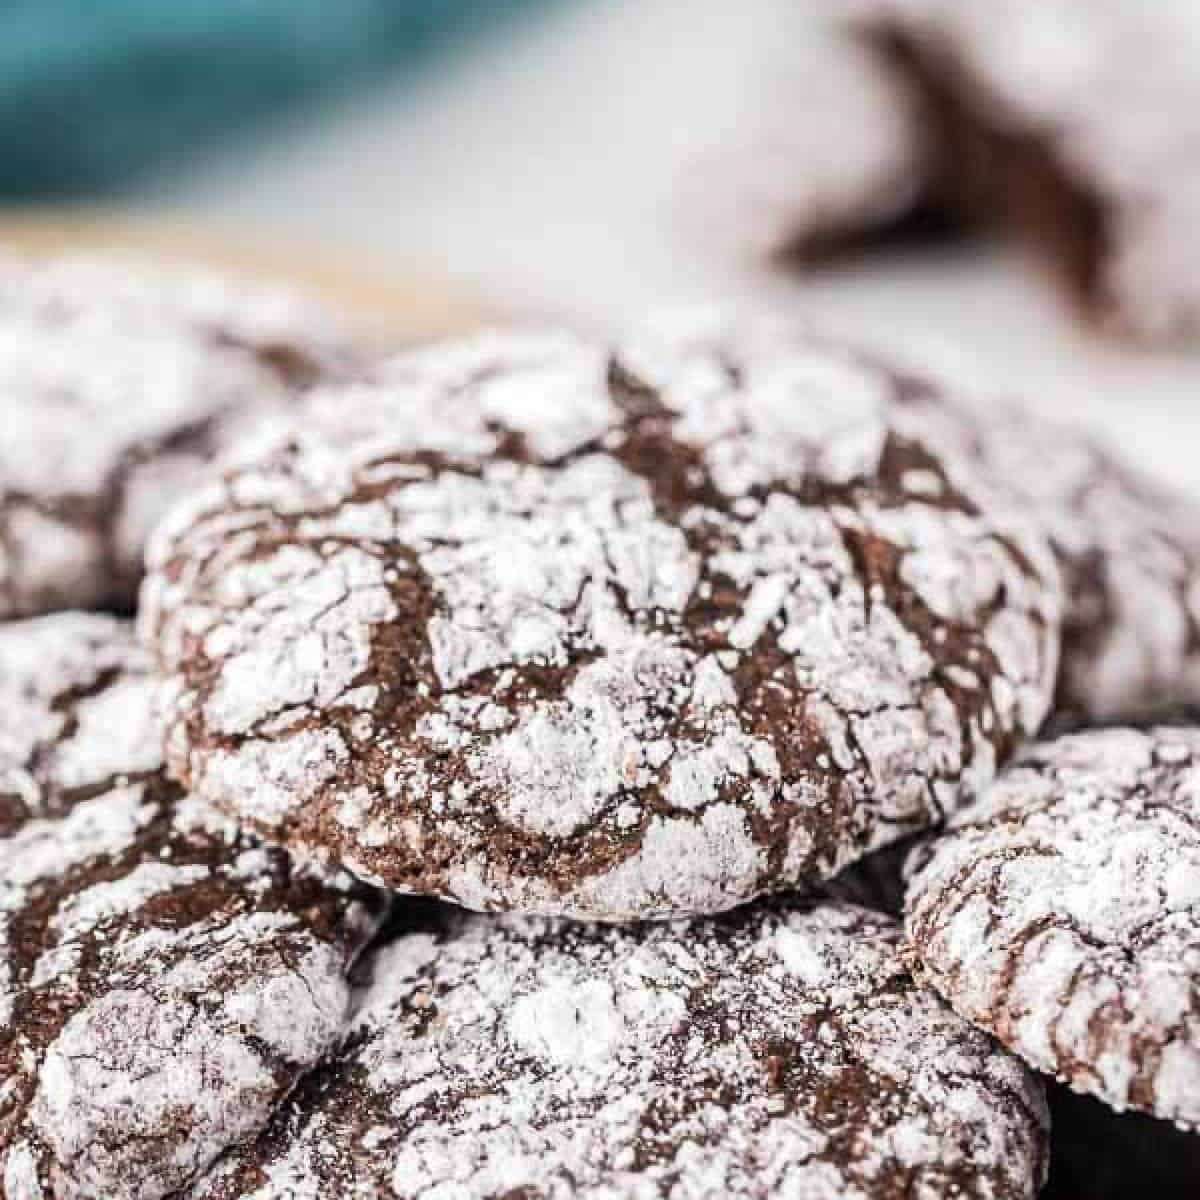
[
  {"x": 987, "y": 173},
  {"x": 1183, "y": 717},
  {"x": 1099, "y": 1154},
  {"x": 876, "y": 881}
]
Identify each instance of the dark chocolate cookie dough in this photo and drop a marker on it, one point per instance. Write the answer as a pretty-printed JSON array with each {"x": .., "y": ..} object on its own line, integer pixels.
[
  {"x": 780, "y": 1051},
  {"x": 163, "y": 981},
  {"x": 119, "y": 385},
  {"x": 1062, "y": 913},
  {"x": 534, "y": 625}
]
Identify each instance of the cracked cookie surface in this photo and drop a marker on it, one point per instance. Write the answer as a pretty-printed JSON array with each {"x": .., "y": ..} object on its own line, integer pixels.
[
  {"x": 119, "y": 386},
  {"x": 534, "y": 625},
  {"x": 781, "y": 1050},
  {"x": 163, "y": 980},
  {"x": 1128, "y": 548},
  {"x": 1062, "y": 913}
]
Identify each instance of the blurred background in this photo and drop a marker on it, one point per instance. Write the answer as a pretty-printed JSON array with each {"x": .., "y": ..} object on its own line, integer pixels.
[{"x": 577, "y": 160}]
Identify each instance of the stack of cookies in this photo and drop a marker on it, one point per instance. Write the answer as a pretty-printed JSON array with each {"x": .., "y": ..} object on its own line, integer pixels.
[{"x": 646, "y": 658}]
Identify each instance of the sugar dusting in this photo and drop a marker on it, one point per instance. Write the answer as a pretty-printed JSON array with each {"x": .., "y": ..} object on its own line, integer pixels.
[
  {"x": 1129, "y": 549},
  {"x": 780, "y": 1052},
  {"x": 162, "y": 981},
  {"x": 1073, "y": 76},
  {"x": 1062, "y": 913},
  {"x": 120, "y": 384}
]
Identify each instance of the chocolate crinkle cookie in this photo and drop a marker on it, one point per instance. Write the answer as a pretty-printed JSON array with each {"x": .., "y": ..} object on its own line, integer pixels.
[
  {"x": 1075, "y": 124},
  {"x": 534, "y": 625},
  {"x": 1128, "y": 548},
  {"x": 163, "y": 981},
  {"x": 1062, "y": 913},
  {"x": 119, "y": 385},
  {"x": 803, "y": 146},
  {"x": 780, "y": 1051}
]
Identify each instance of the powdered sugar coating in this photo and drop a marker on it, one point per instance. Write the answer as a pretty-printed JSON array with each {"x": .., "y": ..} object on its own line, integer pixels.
[
  {"x": 163, "y": 980},
  {"x": 698, "y": 642},
  {"x": 1071, "y": 79},
  {"x": 119, "y": 385},
  {"x": 1063, "y": 914},
  {"x": 1128, "y": 548},
  {"x": 1130, "y": 552},
  {"x": 778, "y": 1051}
]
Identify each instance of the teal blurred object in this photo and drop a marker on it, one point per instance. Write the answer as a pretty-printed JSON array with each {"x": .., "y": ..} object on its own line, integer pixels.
[{"x": 96, "y": 92}]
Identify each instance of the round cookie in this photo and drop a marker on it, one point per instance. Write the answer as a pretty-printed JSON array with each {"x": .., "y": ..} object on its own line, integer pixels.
[
  {"x": 300, "y": 336},
  {"x": 1062, "y": 913},
  {"x": 540, "y": 626},
  {"x": 777, "y": 1051},
  {"x": 1128, "y": 548},
  {"x": 164, "y": 980},
  {"x": 119, "y": 386}
]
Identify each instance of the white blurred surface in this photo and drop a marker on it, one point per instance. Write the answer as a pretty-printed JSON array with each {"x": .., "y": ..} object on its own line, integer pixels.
[{"x": 557, "y": 174}]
